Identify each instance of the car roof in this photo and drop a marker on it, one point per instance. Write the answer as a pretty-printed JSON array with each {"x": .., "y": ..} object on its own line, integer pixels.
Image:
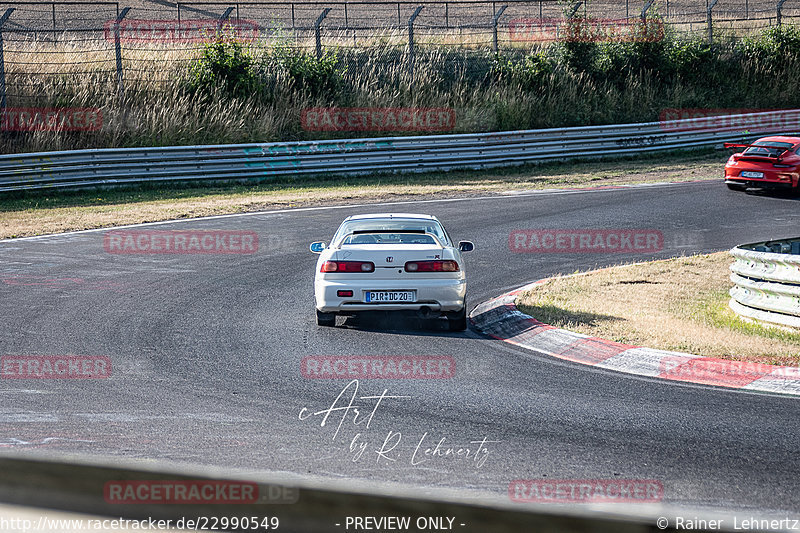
[
  {"x": 781, "y": 138},
  {"x": 391, "y": 215}
]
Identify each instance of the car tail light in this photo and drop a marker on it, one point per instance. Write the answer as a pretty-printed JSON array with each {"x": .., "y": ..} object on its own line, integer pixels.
[
  {"x": 344, "y": 294},
  {"x": 347, "y": 266},
  {"x": 432, "y": 266},
  {"x": 781, "y": 165}
]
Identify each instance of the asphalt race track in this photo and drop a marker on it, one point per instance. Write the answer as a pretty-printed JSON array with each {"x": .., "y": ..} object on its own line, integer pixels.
[{"x": 206, "y": 353}]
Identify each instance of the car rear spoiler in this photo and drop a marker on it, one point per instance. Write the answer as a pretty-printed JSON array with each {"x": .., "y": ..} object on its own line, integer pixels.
[{"x": 781, "y": 149}]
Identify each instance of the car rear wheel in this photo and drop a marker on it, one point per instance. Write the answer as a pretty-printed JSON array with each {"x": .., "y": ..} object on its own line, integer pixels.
[
  {"x": 458, "y": 320},
  {"x": 326, "y": 319}
]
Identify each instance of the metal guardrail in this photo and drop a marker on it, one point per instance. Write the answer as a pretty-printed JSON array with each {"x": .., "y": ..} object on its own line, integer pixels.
[
  {"x": 109, "y": 167},
  {"x": 766, "y": 279},
  {"x": 300, "y": 505}
]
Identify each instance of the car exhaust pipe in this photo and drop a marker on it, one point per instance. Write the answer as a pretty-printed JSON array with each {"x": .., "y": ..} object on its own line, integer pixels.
[{"x": 425, "y": 312}]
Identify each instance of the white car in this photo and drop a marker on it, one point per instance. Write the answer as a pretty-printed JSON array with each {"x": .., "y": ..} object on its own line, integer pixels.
[{"x": 391, "y": 262}]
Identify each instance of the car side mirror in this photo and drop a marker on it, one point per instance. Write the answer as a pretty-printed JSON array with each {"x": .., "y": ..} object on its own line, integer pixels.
[
  {"x": 317, "y": 247},
  {"x": 466, "y": 246}
]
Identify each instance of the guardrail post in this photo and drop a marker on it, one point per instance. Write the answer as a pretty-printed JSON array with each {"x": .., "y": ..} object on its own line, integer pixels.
[
  {"x": 779, "y": 8},
  {"x": 3, "y": 20},
  {"x": 317, "y": 36},
  {"x": 118, "y": 52},
  {"x": 709, "y": 21},
  {"x": 494, "y": 28},
  {"x": 222, "y": 19},
  {"x": 411, "y": 42}
]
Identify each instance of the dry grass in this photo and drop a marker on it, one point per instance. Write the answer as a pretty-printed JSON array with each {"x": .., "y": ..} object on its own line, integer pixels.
[
  {"x": 42, "y": 214},
  {"x": 678, "y": 304}
]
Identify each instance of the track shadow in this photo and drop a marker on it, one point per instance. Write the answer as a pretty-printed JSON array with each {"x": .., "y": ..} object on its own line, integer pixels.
[
  {"x": 398, "y": 324},
  {"x": 561, "y": 318}
]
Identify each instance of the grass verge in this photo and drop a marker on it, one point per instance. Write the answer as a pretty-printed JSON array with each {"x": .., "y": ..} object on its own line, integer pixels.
[
  {"x": 678, "y": 304},
  {"x": 54, "y": 212}
]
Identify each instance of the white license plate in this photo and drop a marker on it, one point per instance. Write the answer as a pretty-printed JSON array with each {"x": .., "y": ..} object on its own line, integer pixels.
[
  {"x": 747, "y": 174},
  {"x": 389, "y": 296}
]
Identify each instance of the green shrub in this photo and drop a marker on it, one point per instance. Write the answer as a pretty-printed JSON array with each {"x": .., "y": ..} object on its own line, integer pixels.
[
  {"x": 773, "y": 46},
  {"x": 307, "y": 73},
  {"x": 529, "y": 74},
  {"x": 224, "y": 63},
  {"x": 578, "y": 47}
]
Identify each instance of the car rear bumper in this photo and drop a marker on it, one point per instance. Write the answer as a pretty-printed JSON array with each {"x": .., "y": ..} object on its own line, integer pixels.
[
  {"x": 434, "y": 294},
  {"x": 759, "y": 184}
]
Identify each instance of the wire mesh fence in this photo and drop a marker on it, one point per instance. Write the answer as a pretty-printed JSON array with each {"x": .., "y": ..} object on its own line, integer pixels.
[
  {"x": 103, "y": 55},
  {"x": 62, "y": 41}
]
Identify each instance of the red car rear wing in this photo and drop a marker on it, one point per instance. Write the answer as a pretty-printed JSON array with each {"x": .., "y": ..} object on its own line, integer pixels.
[{"x": 781, "y": 149}]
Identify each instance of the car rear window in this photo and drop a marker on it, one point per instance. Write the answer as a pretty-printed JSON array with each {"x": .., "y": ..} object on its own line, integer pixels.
[
  {"x": 388, "y": 238},
  {"x": 395, "y": 225}
]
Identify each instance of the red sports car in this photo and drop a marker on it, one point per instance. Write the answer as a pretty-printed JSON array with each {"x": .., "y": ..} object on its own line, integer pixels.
[{"x": 770, "y": 162}]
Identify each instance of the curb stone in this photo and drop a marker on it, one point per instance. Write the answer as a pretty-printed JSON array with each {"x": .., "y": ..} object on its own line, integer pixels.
[{"x": 499, "y": 318}]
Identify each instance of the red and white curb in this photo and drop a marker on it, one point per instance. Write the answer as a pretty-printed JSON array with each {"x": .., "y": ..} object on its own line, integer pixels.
[{"x": 499, "y": 318}]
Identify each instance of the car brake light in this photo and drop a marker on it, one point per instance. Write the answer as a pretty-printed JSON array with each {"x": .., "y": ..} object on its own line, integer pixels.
[
  {"x": 347, "y": 266},
  {"x": 432, "y": 266}
]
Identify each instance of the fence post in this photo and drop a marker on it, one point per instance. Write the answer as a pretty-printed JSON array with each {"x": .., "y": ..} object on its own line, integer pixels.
[
  {"x": 494, "y": 27},
  {"x": 222, "y": 19},
  {"x": 118, "y": 51},
  {"x": 411, "y": 42},
  {"x": 317, "y": 35},
  {"x": 708, "y": 20},
  {"x": 3, "y": 20},
  {"x": 645, "y": 8},
  {"x": 179, "y": 14},
  {"x": 779, "y": 8}
]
